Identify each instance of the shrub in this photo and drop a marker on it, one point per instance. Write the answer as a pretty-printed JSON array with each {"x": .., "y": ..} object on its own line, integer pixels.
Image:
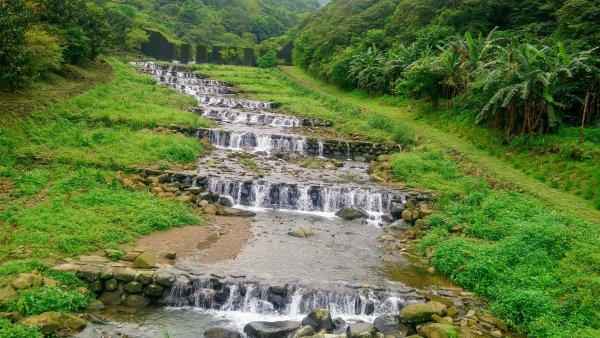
[
  {"x": 14, "y": 18},
  {"x": 269, "y": 60},
  {"x": 36, "y": 301},
  {"x": 9, "y": 330},
  {"x": 423, "y": 79},
  {"x": 44, "y": 50}
]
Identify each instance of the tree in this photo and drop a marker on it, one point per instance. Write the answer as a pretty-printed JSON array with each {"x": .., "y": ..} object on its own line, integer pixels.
[
  {"x": 528, "y": 87},
  {"x": 44, "y": 50},
  {"x": 269, "y": 60},
  {"x": 14, "y": 19}
]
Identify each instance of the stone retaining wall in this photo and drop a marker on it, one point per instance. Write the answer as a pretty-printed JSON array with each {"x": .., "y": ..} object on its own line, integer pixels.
[{"x": 361, "y": 151}]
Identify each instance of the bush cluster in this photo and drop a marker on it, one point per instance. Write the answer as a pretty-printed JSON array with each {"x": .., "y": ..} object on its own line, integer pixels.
[{"x": 45, "y": 34}]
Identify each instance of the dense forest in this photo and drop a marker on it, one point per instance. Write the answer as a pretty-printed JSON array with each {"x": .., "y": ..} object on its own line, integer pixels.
[
  {"x": 43, "y": 35},
  {"x": 524, "y": 67}
]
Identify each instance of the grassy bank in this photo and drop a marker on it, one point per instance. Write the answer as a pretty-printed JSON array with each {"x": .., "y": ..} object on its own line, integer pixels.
[
  {"x": 59, "y": 196},
  {"x": 496, "y": 231},
  {"x": 407, "y": 115}
]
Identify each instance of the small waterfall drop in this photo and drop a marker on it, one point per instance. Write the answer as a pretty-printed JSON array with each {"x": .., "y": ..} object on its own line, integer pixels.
[
  {"x": 304, "y": 198},
  {"x": 289, "y": 300}
]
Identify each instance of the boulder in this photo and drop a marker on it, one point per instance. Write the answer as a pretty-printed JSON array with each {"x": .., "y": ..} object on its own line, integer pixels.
[
  {"x": 134, "y": 287},
  {"x": 301, "y": 233},
  {"x": 154, "y": 290},
  {"x": 233, "y": 212},
  {"x": 7, "y": 294},
  {"x": 50, "y": 282},
  {"x": 137, "y": 301},
  {"x": 407, "y": 215},
  {"x": 111, "y": 297},
  {"x": 387, "y": 218},
  {"x": 210, "y": 209},
  {"x": 270, "y": 329},
  {"x": 96, "y": 286},
  {"x": 400, "y": 225},
  {"x": 421, "y": 312},
  {"x": 437, "y": 330},
  {"x": 51, "y": 322},
  {"x": 390, "y": 325},
  {"x": 439, "y": 299},
  {"x": 360, "y": 330},
  {"x": 226, "y": 201},
  {"x": 396, "y": 209},
  {"x": 487, "y": 317},
  {"x": 146, "y": 260},
  {"x": 319, "y": 319},
  {"x": 303, "y": 331},
  {"x": 26, "y": 281},
  {"x": 352, "y": 212},
  {"x": 145, "y": 276},
  {"x": 165, "y": 278},
  {"x": 111, "y": 284},
  {"x": 219, "y": 332}
]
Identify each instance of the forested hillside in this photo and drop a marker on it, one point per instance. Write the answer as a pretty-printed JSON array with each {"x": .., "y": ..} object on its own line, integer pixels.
[
  {"x": 526, "y": 72},
  {"x": 233, "y": 22},
  {"x": 523, "y": 65},
  {"x": 41, "y": 36}
]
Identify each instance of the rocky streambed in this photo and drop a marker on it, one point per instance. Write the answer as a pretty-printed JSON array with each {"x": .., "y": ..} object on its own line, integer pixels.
[{"x": 323, "y": 238}]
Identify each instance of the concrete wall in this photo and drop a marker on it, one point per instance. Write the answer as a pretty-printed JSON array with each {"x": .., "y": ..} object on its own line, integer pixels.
[
  {"x": 201, "y": 54},
  {"x": 185, "y": 53},
  {"x": 159, "y": 47}
]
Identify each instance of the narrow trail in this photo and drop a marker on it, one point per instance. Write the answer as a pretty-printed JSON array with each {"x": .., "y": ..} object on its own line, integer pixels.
[{"x": 504, "y": 172}]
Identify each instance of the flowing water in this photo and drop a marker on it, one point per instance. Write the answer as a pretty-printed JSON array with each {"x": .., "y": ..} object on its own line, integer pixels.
[{"x": 338, "y": 266}]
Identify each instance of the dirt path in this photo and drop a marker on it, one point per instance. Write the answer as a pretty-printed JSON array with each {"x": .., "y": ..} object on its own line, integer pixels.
[
  {"x": 503, "y": 171},
  {"x": 221, "y": 238}
]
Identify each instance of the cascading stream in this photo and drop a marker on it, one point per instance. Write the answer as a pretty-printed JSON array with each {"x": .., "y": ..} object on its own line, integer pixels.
[
  {"x": 287, "y": 301},
  {"x": 298, "y": 197}
]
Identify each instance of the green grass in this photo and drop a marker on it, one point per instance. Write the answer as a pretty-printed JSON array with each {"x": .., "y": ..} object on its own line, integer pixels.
[
  {"x": 408, "y": 115},
  {"x": 272, "y": 85},
  {"x": 558, "y": 160},
  {"x": 522, "y": 245},
  {"x": 70, "y": 203},
  {"x": 83, "y": 210},
  {"x": 539, "y": 268},
  {"x": 43, "y": 299},
  {"x": 8, "y": 330}
]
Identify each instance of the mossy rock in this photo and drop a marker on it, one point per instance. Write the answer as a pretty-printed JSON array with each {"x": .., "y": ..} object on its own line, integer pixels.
[
  {"x": 437, "y": 330},
  {"x": 146, "y": 260},
  {"x": 421, "y": 312},
  {"x": 319, "y": 319},
  {"x": 51, "y": 322}
]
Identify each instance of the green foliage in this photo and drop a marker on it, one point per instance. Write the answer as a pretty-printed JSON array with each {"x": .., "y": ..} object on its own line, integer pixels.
[
  {"x": 422, "y": 79},
  {"x": 14, "y": 18},
  {"x": 9, "y": 330},
  {"x": 269, "y": 60},
  {"x": 574, "y": 23},
  {"x": 39, "y": 300},
  {"x": 386, "y": 47},
  {"x": 44, "y": 49},
  {"x": 69, "y": 206},
  {"x": 536, "y": 267},
  {"x": 231, "y": 22}
]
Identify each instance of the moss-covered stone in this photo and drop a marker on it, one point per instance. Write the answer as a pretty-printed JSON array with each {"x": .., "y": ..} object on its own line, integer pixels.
[{"x": 421, "y": 312}]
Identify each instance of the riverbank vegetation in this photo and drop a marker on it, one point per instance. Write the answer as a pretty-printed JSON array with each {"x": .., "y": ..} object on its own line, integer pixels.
[
  {"x": 533, "y": 263},
  {"x": 59, "y": 191},
  {"x": 523, "y": 87}
]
